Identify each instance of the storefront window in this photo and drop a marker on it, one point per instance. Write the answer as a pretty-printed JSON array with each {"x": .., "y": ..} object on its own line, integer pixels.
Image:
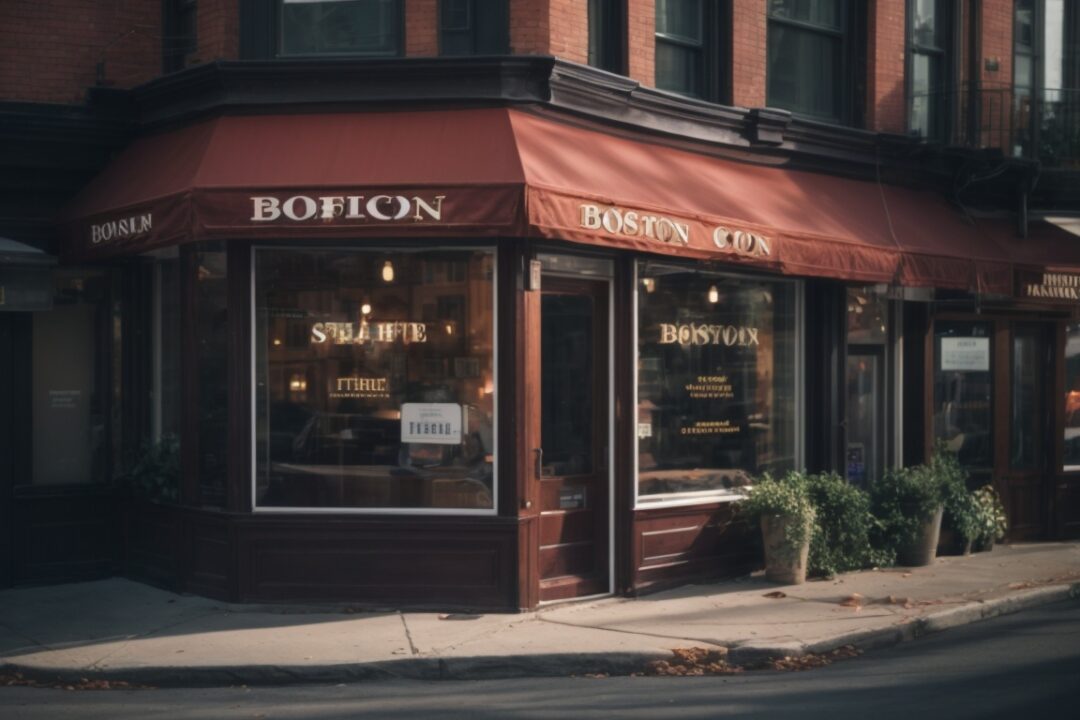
[
  {"x": 1072, "y": 397},
  {"x": 212, "y": 324},
  {"x": 717, "y": 381},
  {"x": 963, "y": 414},
  {"x": 375, "y": 379},
  {"x": 341, "y": 27},
  {"x": 74, "y": 438}
]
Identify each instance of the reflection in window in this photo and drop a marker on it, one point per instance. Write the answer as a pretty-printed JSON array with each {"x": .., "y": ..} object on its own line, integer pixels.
[
  {"x": 680, "y": 47},
  {"x": 1072, "y": 397},
  {"x": 807, "y": 44},
  {"x": 374, "y": 379},
  {"x": 867, "y": 316},
  {"x": 716, "y": 380},
  {"x": 963, "y": 413},
  {"x": 72, "y": 346},
  {"x": 340, "y": 27},
  {"x": 930, "y": 45}
]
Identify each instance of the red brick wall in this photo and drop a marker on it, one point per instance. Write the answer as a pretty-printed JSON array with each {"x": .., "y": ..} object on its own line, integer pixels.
[
  {"x": 997, "y": 42},
  {"x": 529, "y": 27},
  {"x": 569, "y": 28},
  {"x": 49, "y": 49},
  {"x": 217, "y": 30},
  {"x": 421, "y": 27},
  {"x": 748, "y": 53},
  {"x": 886, "y": 47},
  {"x": 641, "y": 40}
]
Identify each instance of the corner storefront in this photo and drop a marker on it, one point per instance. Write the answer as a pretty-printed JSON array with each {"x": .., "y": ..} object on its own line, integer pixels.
[{"x": 496, "y": 357}]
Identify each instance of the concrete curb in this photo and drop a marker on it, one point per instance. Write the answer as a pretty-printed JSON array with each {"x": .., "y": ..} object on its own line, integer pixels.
[
  {"x": 546, "y": 665},
  {"x": 751, "y": 653}
]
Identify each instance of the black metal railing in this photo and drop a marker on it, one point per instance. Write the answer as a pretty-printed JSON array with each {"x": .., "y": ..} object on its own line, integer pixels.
[{"x": 1043, "y": 125}]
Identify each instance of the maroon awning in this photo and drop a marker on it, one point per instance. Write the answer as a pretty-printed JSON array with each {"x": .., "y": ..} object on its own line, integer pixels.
[{"x": 505, "y": 172}]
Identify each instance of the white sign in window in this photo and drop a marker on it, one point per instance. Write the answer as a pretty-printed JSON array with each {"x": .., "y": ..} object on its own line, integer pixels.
[
  {"x": 432, "y": 423},
  {"x": 966, "y": 354}
]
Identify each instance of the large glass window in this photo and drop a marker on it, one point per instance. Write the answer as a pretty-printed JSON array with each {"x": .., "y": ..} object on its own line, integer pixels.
[
  {"x": 375, "y": 379},
  {"x": 607, "y": 29},
  {"x": 717, "y": 381},
  {"x": 1072, "y": 397},
  {"x": 212, "y": 325},
  {"x": 691, "y": 41},
  {"x": 76, "y": 361},
  {"x": 929, "y": 42},
  {"x": 340, "y": 27},
  {"x": 963, "y": 391},
  {"x": 810, "y": 62},
  {"x": 474, "y": 27}
]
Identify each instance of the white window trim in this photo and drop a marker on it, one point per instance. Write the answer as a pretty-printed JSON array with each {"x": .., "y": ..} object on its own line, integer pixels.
[
  {"x": 443, "y": 512},
  {"x": 712, "y": 497}
]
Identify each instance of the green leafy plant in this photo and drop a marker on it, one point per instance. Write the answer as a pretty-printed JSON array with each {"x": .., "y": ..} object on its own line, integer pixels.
[
  {"x": 992, "y": 522},
  {"x": 155, "y": 471},
  {"x": 842, "y": 527},
  {"x": 900, "y": 501},
  {"x": 786, "y": 497},
  {"x": 961, "y": 509}
]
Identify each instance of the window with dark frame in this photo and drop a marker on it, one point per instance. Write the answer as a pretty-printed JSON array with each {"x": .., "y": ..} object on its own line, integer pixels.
[
  {"x": 607, "y": 35},
  {"x": 690, "y": 48},
  {"x": 179, "y": 34},
  {"x": 474, "y": 27},
  {"x": 372, "y": 28},
  {"x": 815, "y": 57},
  {"x": 930, "y": 67}
]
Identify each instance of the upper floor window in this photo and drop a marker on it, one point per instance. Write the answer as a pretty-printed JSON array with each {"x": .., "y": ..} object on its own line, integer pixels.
[
  {"x": 815, "y": 57},
  {"x": 474, "y": 27},
  {"x": 688, "y": 52},
  {"x": 340, "y": 27},
  {"x": 178, "y": 33},
  {"x": 930, "y": 31},
  {"x": 607, "y": 31}
]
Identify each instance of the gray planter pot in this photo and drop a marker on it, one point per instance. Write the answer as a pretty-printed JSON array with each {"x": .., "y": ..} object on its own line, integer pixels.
[
  {"x": 783, "y": 564},
  {"x": 924, "y": 548}
]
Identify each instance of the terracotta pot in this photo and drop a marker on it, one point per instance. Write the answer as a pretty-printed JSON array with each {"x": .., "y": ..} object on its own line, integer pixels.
[
  {"x": 783, "y": 564},
  {"x": 923, "y": 550}
]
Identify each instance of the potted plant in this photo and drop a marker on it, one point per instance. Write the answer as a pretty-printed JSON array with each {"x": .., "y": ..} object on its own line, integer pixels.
[
  {"x": 991, "y": 520},
  {"x": 841, "y": 536},
  {"x": 962, "y": 515},
  {"x": 782, "y": 506},
  {"x": 908, "y": 504}
]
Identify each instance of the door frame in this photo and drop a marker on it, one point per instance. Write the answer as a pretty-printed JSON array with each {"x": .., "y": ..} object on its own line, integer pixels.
[
  {"x": 534, "y": 408},
  {"x": 1003, "y": 326}
]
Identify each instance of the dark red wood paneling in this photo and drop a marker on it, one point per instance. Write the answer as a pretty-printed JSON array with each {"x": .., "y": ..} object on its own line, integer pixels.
[{"x": 682, "y": 544}]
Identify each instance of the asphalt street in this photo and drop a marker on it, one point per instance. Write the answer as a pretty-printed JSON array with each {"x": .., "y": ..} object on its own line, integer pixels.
[{"x": 1018, "y": 666}]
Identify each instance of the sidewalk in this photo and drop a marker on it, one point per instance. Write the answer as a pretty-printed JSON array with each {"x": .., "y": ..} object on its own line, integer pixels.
[{"x": 121, "y": 630}]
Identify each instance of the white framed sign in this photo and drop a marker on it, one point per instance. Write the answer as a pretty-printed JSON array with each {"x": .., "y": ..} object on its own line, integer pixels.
[
  {"x": 433, "y": 423},
  {"x": 966, "y": 354}
]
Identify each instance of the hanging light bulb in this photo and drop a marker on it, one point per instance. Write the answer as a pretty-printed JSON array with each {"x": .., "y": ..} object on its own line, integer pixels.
[
  {"x": 365, "y": 309},
  {"x": 714, "y": 295},
  {"x": 388, "y": 271},
  {"x": 649, "y": 283}
]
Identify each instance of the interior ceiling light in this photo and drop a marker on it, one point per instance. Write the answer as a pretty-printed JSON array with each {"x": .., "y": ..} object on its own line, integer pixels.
[{"x": 388, "y": 271}]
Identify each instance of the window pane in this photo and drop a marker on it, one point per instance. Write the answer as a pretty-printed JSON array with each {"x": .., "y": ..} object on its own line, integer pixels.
[
  {"x": 716, "y": 380},
  {"x": 926, "y": 95},
  {"x": 606, "y": 30},
  {"x": 1024, "y": 29},
  {"x": 868, "y": 317},
  {"x": 865, "y": 456},
  {"x": 315, "y": 27},
  {"x": 374, "y": 379},
  {"x": 566, "y": 344},
  {"x": 677, "y": 68},
  {"x": 167, "y": 349},
  {"x": 1028, "y": 374},
  {"x": 1072, "y": 396},
  {"x": 71, "y": 345},
  {"x": 212, "y": 321},
  {"x": 963, "y": 413},
  {"x": 680, "y": 18},
  {"x": 804, "y": 71},
  {"x": 927, "y": 27},
  {"x": 827, "y": 13}
]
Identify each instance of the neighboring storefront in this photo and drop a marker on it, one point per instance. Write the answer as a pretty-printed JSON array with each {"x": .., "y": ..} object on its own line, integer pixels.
[{"x": 448, "y": 358}]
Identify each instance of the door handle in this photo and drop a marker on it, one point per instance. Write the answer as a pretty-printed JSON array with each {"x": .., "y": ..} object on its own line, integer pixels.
[{"x": 539, "y": 461}]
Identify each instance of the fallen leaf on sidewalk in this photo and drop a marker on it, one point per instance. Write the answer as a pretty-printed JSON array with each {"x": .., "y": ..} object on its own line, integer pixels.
[
  {"x": 775, "y": 594},
  {"x": 693, "y": 662},
  {"x": 810, "y": 661},
  {"x": 854, "y": 600},
  {"x": 1021, "y": 585},
  {"x": 596, "y": 676},
  {"x": 905, "y": 575}
]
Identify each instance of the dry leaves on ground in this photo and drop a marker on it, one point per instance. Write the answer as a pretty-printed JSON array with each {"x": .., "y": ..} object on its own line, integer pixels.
[
  {"x": 854, "y": 600},
  {"x": 813, "y": 660},
  {"x": 775, "y": 594},
  {"x": 18, "y": 679},
  {"x": 694, "y": 661}
]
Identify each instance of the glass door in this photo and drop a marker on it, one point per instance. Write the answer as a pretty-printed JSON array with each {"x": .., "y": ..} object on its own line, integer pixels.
[
  {"x": 1025, "y": 478},
  {"x": 571, "y": 462}
]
